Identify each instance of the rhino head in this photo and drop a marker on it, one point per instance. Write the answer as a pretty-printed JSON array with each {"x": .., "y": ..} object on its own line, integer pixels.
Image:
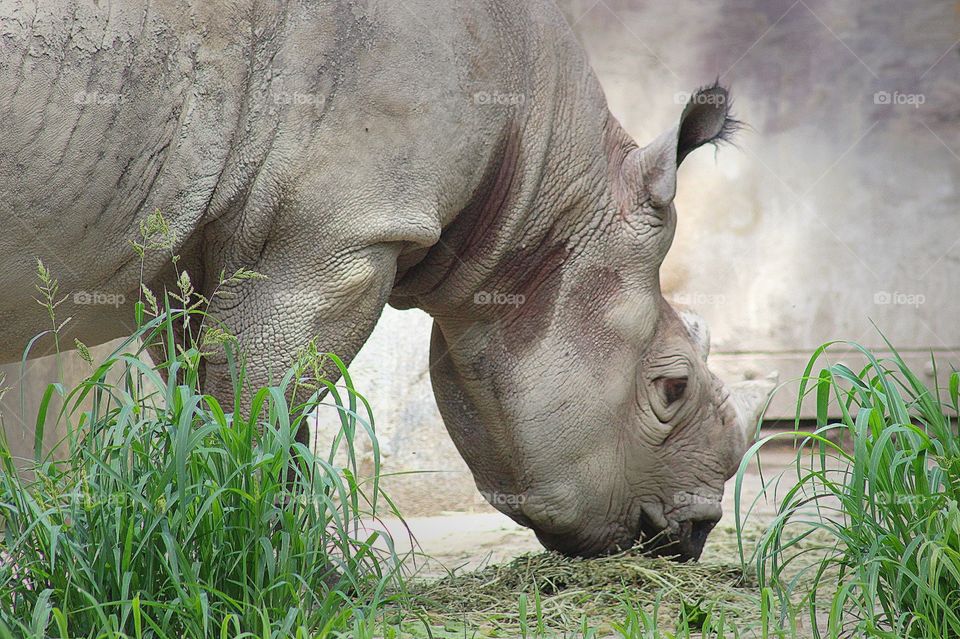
[{"x": 583, "y": 403}]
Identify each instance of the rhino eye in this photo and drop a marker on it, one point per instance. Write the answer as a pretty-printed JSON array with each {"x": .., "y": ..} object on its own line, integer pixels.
[{"x": 673, "y": 388}]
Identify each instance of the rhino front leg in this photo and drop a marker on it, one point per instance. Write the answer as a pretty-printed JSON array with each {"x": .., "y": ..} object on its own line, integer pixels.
[{"x": 335, "y": 299}]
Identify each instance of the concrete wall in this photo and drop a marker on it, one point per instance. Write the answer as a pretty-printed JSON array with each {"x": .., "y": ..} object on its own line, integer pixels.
[
  {"x": 839, "y": 205},
  {"x": 21, "y": 400}
]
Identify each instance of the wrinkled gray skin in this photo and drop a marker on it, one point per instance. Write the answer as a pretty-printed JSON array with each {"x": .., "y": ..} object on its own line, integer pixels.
[{"x": 429, "y": 153}]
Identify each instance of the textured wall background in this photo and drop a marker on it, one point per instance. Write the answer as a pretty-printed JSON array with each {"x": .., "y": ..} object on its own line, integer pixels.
[{"x": 838, "y": 207}]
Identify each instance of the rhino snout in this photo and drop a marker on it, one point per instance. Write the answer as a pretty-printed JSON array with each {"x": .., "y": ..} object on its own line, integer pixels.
[{"x": 683, "y": 541}]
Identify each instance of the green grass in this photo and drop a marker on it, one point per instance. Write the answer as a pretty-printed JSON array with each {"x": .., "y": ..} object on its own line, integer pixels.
[
  {"x": 172, "y": 515},
  {"x": 882, "y": 484}
]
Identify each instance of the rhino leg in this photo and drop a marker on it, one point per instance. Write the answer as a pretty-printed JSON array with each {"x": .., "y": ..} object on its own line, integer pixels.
[{"x": 335, "y": 299}]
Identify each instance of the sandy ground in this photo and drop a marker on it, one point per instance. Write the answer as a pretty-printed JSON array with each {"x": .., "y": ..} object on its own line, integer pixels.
[{"x": 465, "y": 541}]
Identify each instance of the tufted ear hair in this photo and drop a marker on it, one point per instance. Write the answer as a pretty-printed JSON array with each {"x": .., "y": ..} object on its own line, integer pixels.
[{"x": 705, "y": 119}]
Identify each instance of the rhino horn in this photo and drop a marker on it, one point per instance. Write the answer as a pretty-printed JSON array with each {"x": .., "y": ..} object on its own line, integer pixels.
[{"x": 699, "y": 331}]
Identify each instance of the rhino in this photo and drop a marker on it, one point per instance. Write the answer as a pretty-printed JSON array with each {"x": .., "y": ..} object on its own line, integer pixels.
[{"x": 450, "y": 155}]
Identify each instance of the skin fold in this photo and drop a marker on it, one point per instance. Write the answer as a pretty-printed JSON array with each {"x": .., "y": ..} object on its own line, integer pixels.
[{"x": 454, "y": 156}]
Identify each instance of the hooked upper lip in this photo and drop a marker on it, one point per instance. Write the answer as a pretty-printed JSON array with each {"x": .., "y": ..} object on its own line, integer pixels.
[
  {"x": 683, "y": 544},
  {"x": 653, "y": 540}
]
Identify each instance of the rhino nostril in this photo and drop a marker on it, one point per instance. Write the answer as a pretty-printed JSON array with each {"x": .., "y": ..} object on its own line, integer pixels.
[{"x": 699, "y": 530}]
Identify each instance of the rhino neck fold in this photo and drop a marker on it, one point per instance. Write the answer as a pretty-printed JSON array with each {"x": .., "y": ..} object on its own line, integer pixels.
[{"x": 522, "y": 223}]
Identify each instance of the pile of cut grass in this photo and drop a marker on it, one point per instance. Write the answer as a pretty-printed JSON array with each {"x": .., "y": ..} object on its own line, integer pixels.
[{"x": 628, "y": 594}]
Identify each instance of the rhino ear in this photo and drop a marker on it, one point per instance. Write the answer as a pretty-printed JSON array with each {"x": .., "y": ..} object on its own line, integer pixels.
[{"x": 705, "y": 120}]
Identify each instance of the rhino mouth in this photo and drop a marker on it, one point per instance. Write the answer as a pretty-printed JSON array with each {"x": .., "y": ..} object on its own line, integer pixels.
[
  {"x": 681, "y": 543},
  {"x": 653, "y": 540}
]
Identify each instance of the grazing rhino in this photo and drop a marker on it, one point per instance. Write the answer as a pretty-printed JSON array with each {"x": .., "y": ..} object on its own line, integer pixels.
[{"x": 452, "y": 155}]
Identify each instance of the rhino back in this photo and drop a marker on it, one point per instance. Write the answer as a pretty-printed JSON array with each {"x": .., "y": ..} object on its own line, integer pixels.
[
  {"x": 384, "y": 114},
  {"x": 107, "y": 111}
]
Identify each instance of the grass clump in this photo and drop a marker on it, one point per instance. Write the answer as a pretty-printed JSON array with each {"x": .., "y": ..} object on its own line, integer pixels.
[
  {"x": 883, "y": 484},
  {"x": 625, "y": 595},
  {"x": 173, "y": 515}
]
